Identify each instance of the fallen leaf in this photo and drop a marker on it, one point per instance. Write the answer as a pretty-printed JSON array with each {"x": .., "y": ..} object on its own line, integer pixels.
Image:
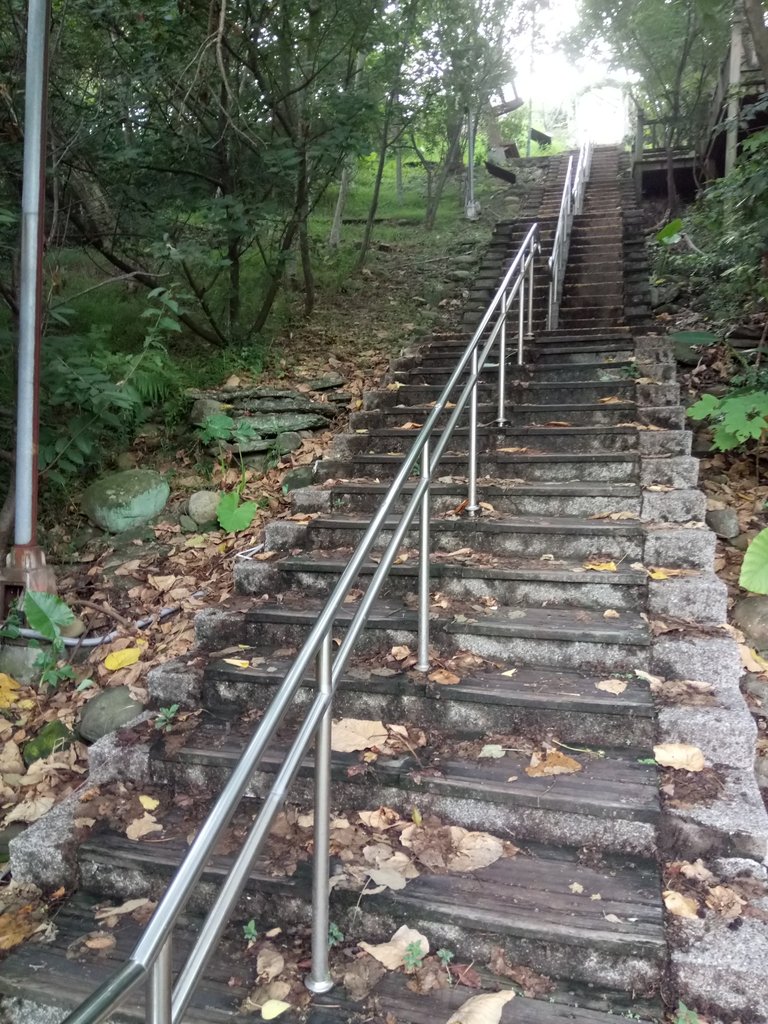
[
  {"x": 101, "y": 941},
  {"x": 647, "y": 676},
  {"x": 615, "y": 516},
  {"x": 612, "y": 685},
  {"x": 451, "y": 848},
  {"x": 269, "y": 964},
  {"x": 552, "y": 762},
  {"x": 392, "y": 954},
  {"x": 17, "y": 925},
  {"x": 361, "y": 977},
  {"x": 576, "y": 887},
  {"x": 273, "y": 1008},
  {"x": 725, "y": 901},
  {"x": 103, "y": 913},
  {"x": 492, "y": 750},
  {"x": 410, "y": 425},
  {"x": 679, "y": 905},
  {"x": 382, "y": 818},
  {"x": 509, "y": 673},
  {"x": 30, "y": 809},
  {"x": 148, "y": 802},
  {"x": 122, "y": 659},
  {"x": 143, "y": 826},
  {"x": 610, "y": 613},
  {"x": 600, "y": 566},
  {"x": 681, "y": 756},
  {"x": 696, "y": 870},
  {"x": 611, "y": 400},
  {"x": 237, "y": 662},
  {"x": 9, "y": 690},
  {"x": 444, "y": 677},
  {"x": 400, "y": 652},
  {"x": 351, "y": 734},
  {"x": 751, "y": 660},
  {"x": 484, "y": 1009}
]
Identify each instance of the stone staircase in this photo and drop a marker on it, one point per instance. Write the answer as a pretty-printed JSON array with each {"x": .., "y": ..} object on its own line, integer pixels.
[{"x": 523, "y": 605}]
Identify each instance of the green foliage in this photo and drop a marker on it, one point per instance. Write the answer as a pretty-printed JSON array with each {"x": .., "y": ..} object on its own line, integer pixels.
[
  {"x": 166, "y": 718},
  {"x": 686, "y": 1016},
  {"x": 737, "y": 418},
  {"x": 234, "y": 515},
  {"x": 670, "y": 234},
  {"x": 47, "y": 613},
  {"x": 250, "y": 931},
  {"x": 335, "y": 935},
  {"x": 221, "y": 427},
  {"x": 413, "y": 956},
  {"x": 754, "y": 568}
]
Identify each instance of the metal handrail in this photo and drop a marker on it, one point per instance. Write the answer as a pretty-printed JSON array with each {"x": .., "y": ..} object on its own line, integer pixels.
[
  {"x": 151, "y": 960},
  {"x": 571, "y": 204}
]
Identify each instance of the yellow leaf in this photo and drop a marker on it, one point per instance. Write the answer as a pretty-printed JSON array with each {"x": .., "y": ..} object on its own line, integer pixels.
[
  {"x": 610, "y": 613},
  {"x": 576, "y": 887},
  {"x": 679, "y": 905},
  {"x": 601, "y": 566},
  {"x": 9, "y": 690},
  {"x": 148, "y": 802},
  {"x": 682, "y": 756},
  {"x": 611, "y": 400},
  {"x": 416, "y": 817},
  {"x": 17, "y": 925},
  {"x": 509, "y": 673},
  {"x": 551, "y": 762},
  {"x": 122, "y": 659},
  {"x": 273, "y": 1008},
  {"x": 143, "y": 826},
  {"x": 612, "y": 685},
  {"x": 444, "y": 677},
  {"x": 237, "y": 662}
]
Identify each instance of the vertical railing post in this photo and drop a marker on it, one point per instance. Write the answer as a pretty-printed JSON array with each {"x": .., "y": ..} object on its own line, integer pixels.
[
  {"x": 319, "y": 979},
  {"x": 472, "y": 506},
  {"x": 422, "y": 664},
  {"x": 521, "y": 317},
  {"x": 502, "y": 397},
  {"x": 160, "y": 987},
  {"x": 531, "y": 270}
]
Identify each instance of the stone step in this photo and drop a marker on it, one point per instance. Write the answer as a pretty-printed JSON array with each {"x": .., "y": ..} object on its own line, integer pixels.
[
  {"x": 613, "y": 794},
  {"x": 605, "y": 467},
  {"x": 566, "y": 537},
  {"x": 532, "y": 700},
  {"x": 524, "y": 904}
]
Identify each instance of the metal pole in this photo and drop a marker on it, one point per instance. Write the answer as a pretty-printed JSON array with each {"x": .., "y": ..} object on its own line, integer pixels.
[
  {"x": 531, "y": 271},
  {"x": 160, "y": 987},
  {"x": 471, "y": 209},
  {"x": 472, "y": 506},
  {"x": 521, "y": 317},
  {"x": 502, "y": 418},
  {"x": 319, "y": 979},
  {"x": 422, "y": 665},
  {"x": 31, "y": 286}
]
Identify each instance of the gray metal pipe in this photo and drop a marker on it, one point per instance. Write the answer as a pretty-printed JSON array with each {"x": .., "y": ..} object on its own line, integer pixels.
[{"x": 31, "y": 277}]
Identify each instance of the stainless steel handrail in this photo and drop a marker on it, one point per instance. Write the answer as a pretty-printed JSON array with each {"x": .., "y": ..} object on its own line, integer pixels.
[
  {"x": 151, "y": 959},
  {"x": 571, "y": 204}
]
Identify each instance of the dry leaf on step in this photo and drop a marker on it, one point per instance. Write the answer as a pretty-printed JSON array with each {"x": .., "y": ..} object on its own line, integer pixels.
[
  {"x": 143, "y": 826},
  {"x": 148, "y": 802},
  {"x": 273, "y": 1008},
  {"x": 751, "y": 660},
  {"x": 484, "y": 1009},
  {"x": 361, "y": 977},
  {"x": 351, "y": 734},
  {"x": 611, "y": 613},
  {"x": 30, "y": 809},
  {"x": 129, "y": 907},
  {"x": 382, "y": 818},
  {"x": 696, "y": 870},
  {"x": 600, "y": 566},
  {"x": 400, "y": 652},
  {"x": 269, "y": 964},
  {"x": 576, "y": 887},
  {"x": 392, "y": 954},
  {"x": 681, "y": 756},
  {"x": 612, "y": 685},
  {"x": 551, "y": 762},
  {"x": 679, "y": 905},
  {"x": 725, "y": 901},
  {"x": 647, "y": 676},
  {"x": 444, "y": 677},
  {"x": 611, "y": 400},
  {"x": 451, "y": 848}
]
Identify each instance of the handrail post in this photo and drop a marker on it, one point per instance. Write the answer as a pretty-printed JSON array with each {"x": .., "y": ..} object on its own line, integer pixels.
[
  {"x": 531, "y": 271},
  {"x": 520, "y": 318},
  {"x": 422, "y": 664},
  {"x": 319, "y": 980},
  {"x": 160, "y": 987},
  {"x": 472, "y": 506},
  {"x": 502, "y": 397}
]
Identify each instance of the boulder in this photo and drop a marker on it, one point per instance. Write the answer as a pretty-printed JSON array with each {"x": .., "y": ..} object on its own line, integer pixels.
[
  {"x": 270, "y": 424},
  {"x": 203, "y": 408},
  {"x": 187, "y": 524},
  {"x": 332, "y": 379},
  {"x": 750, "y": 614},
  {"x": 288, "y": 442},
  {"x": 663, "y": 294},
  {"x": 202, "y": 506},
  {"x": 52, "y": 737},
  {"x": 301, "y": 476},
  {"x": 121, "y": 501},
  {"x": 107, "y": 711},
  {"x": 724, "y": 522}
]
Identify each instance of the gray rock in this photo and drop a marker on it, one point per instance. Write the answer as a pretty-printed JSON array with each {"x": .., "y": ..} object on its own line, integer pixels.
[
  {"x": 662, "y": 294},
  {"x": 332, "y": 379},
  {"x": 742, "y": 542},
  {"x": 258, "y": 463},
  {"x": 724, "y": 522},
  {"x": 685, "y": 354},
  {"x": 290, "y": 441},
  {"x": 202, "y": 506},
  {"x": 107, "y": 711},
  {"x": 460, "y": 275},
  {"x": 126, "y": 460},
  {"x": 301, "y": 476},
  {"x": 121, "y": 501},
  {"x": 750, "y": 614},
  {"x": 203, "y": 408},
  {"x": 270, "y": 424},
  {"x": 19, "y": 661},
  {"x": 465, "y": 260},
  {"x": 187, "y": 524}
]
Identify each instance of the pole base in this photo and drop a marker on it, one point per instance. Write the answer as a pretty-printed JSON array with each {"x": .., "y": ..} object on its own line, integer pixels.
[
  {"x": 25, "y": 569},
  {"x": 318, "y": 987},
  {"x": 472, "y": 510}
]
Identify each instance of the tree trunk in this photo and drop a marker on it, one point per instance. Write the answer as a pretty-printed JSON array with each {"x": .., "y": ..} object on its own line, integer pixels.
[
  {"x": 334, "y": 238},
  {"x": 399, "y": 175},
  {"x": 756, "y": 21},
  {"x": 367, "y": 234},
  {"x": 442, "y": 177},
  {"x": 277, "y": 277}
]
